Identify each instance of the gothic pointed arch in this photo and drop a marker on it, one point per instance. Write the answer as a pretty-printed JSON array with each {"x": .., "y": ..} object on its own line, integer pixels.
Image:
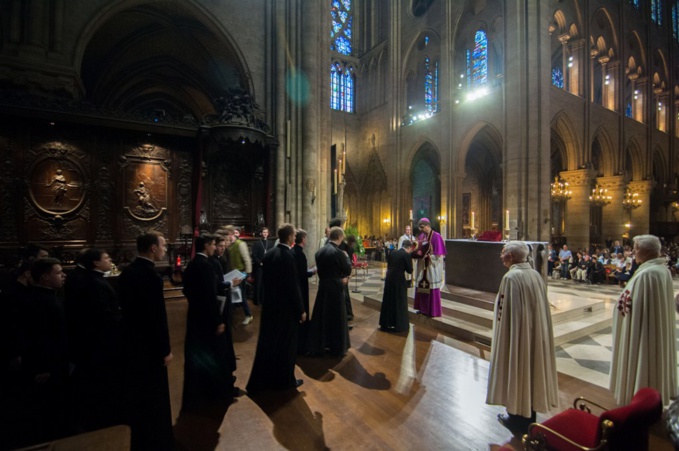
[
  {"x": 602, "y": 156},
  {"x": 482, "y": 186},
  {"x": 563, "y": 131},
  {"x": 425, "y": 180},
  {"x": 633, "y": 165},
  {"x": 167, "y": 58}
]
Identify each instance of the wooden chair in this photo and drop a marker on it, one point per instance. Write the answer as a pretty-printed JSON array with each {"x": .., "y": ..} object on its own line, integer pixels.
[{"x": 625, "y": 428}]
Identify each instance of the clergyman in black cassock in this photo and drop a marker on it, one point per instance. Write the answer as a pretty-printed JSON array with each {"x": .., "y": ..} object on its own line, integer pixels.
[
  {"x": 394, "y": 311},
  {"x": 282, "y": 312},
  {"x": 207, "y": 366},
  {"x": 329, "y": 328},
  {"x": 146, "y": 345},
  {"x": 96, "y": 337},
  {"x": 259, "y": 249}
]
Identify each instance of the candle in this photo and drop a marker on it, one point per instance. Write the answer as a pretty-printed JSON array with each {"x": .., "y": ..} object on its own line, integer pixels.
[
  {"x": 411, "y": 215},
  {"x": 334, "y": 181},
  {"x": 507, "y": 220},
  {"x": 473, "y": 216},
  {"x": 344, "y": 161}
]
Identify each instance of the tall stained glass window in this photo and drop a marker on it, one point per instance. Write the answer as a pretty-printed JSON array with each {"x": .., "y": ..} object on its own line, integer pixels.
[
  {"x": 341, "y": 31},
  {"x": 477, "y": 65},
  {"x": 675, "y": 21},
  {"x": 656, "y": 11},
  {"x": 431, "y": 82},
  {"x": 342, "y": 79},
  {"x": 557, "y": 77},
  {"x": 342, "y": 88}
]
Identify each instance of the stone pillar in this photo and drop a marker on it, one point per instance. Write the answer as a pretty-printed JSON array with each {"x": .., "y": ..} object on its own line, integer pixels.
[
  {"x": 527, "y": 85},
  {"x": 38, "y": 25},
  {"x": 577, "y": 208},
  {"x": 455, "y": 222},
  {"x": 312, "y": 43},
  {"x": 614, "y": 216},
  {"x": 640, "y": 217}
]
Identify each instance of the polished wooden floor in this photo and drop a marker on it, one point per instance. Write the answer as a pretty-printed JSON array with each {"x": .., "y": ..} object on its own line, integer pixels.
[{"x": 417, "y": 390}]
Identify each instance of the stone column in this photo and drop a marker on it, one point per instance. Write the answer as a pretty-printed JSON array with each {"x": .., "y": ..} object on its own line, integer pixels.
[
  {"x": 455, "y": 223},
  {"x": 640, "y": 217},
  {"x": 613, "y": 216},
  {"x": 577, "y": 208},
  {"x": 312, "y": 44},
  {"x": 527, "y": 85}
]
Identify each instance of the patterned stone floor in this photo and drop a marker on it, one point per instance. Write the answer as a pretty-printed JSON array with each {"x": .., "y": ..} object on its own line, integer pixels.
[{"x": 587, "y": 358}]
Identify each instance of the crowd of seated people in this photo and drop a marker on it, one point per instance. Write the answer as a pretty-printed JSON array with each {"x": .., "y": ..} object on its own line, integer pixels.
[{"x": 597, "y": 265}]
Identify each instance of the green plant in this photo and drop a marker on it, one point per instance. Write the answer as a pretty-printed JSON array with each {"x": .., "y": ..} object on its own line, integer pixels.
[{"x": 353, "y": 230}]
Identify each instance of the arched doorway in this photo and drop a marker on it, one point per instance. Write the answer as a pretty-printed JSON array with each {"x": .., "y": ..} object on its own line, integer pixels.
[
  {"x": 482, "y": 187},
  {"x": 425, "y": 180}
]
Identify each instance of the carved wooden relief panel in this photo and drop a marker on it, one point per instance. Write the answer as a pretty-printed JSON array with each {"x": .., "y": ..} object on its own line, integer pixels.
[
  {"x": 56, "y": 186},
  {"x": 56, "y": 206},
  {"x": 145, "y": 190}
]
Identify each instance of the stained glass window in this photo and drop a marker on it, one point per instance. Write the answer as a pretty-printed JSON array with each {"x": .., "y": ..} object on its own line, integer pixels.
[
  {"x": 431, "y": 81},
  {"x": 634, "y": 3},
  {"x": 342, "y": 88},
  {"x": 656, "y": 11},
  {"x": 628, "y": 110},
  {"x": 348, "y": 94},
  {"x": 557, "y": 77},
  {"x": 341, "y": 31},
  {"x": 477, "y": 68},
  {"x": 675, "y": 21},
  {"x": 335, "y": 74}
]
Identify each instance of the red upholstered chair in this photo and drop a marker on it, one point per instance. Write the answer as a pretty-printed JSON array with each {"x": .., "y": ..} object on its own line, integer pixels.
[{"x": 624, "y": 428}]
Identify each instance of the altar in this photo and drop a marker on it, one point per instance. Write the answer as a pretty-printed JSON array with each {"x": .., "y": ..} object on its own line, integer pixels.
[{"x": 477, "y": 264}]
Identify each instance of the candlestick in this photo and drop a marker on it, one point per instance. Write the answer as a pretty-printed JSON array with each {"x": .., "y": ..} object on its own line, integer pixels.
[
  {"x": 473, "y": 217},
  {"x": 344, "y": 160},
  {"x": 507, "y": 219}
]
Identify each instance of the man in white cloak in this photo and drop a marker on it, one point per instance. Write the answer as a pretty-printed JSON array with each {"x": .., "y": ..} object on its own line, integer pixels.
[
  {"x": 644, "y": 346},
  {"x": 522, "y": 362}
]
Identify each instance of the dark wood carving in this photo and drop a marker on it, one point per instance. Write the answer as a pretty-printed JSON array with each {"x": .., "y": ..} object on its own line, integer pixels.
[
  {"x": 184, "y": 193},
  {"x": 9, "y": 189},
  {"x": 56, "y": 186},
  {"x": 104, "y": 189},
  {"x": 145, "y": 189}
]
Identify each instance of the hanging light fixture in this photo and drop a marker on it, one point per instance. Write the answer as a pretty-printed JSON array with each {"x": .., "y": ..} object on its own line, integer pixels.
[
  {"x": 630, "y": 200},
  {"x": 599, "y": 197},
  {"x": 560, "y": 192}
]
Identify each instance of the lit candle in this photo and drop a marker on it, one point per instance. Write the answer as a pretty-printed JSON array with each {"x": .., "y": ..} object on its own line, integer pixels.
[
  {"x": 473, "y": 216},
  {"x": 341, "y": 166},
  {"x": 344, "y": 161},
  {"x": 411, "y": 215},
  {"x": 334, "y": 181},
  {"x": 507, "y": 220}
]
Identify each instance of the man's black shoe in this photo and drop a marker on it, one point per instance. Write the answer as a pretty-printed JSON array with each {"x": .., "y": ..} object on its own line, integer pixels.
[{"x": 516, "y": 424}]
